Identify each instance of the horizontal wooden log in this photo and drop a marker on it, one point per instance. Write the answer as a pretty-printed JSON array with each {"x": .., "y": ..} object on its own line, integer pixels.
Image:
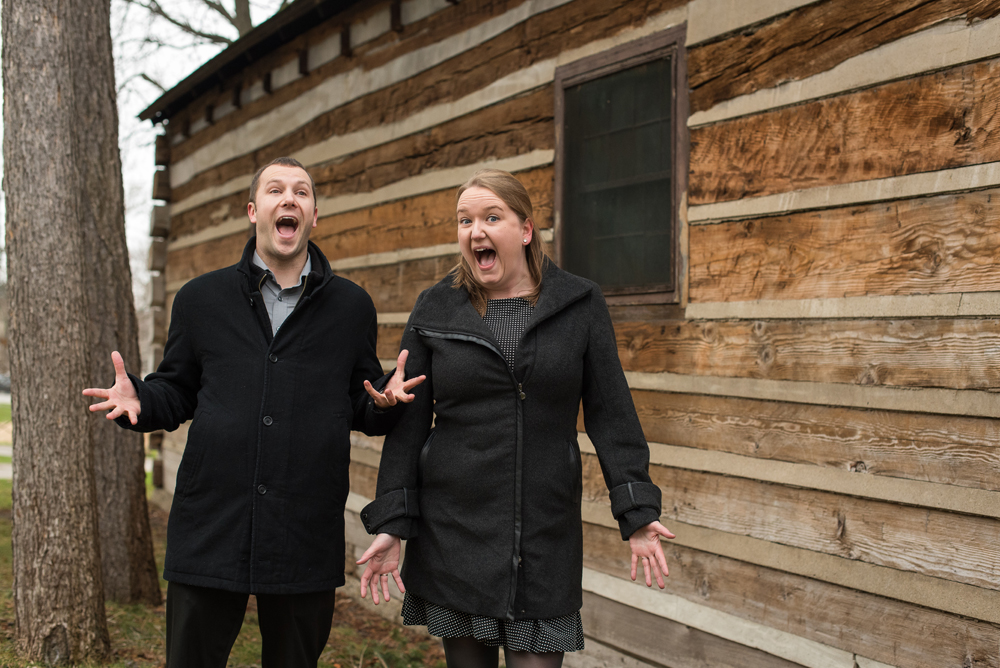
[
  {"x": 157, "y": 258},
  {"x": 158, "y": 290},
  {"x": 889, "y": 631},
  {"x": 938, "y": 121},
  {"x": 396, "y": 287},
  {"x": 161, "y": 152},
  {"x": 161, "y": 184},
  {"x": 389, "y": 338},
  {"x": 933, "y": 448},
  {"x": 948, "y": 353},
  {"x": 665, "y": 641},
  {"x": 159, "y": 221},
  {"x": 186, "y": 263},
  {"x": 931, "y": 245},
  {"x": 810, "y": 40},
  {"x": 930, "y": 542},
  {"x": 363, "y": 479},
  {"x": 158, "y": 324},
  {"x": 539, "y": 38}
]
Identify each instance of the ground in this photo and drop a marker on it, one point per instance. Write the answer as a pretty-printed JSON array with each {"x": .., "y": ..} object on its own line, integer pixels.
[{"x": 359, "y": 639}]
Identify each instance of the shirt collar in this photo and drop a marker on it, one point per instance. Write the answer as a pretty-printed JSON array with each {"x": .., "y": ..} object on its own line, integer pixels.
[{"x": 270, "y": 275}]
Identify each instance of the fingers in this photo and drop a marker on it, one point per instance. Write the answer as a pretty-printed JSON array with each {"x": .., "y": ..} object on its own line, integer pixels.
[
  {"x": 375, "y": 395},
  {"x": 385, "y": 586},
  {"x": 662, "y": 530},
  {"x": 103, "y": 406},
  {"x": 635, "y": 560},
  {"x": 401, "y": 363},
  {"x": 119, "y": 363},
  {"x": 95, "y": 392},
  {"x": 364, "y": 582},
  {"x": 413, "y": 382},
  {"x": 399, "y": 581}
]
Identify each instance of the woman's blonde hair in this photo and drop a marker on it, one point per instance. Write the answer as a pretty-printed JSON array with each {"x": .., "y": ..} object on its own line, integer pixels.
[{"x": 512, "y": 192}]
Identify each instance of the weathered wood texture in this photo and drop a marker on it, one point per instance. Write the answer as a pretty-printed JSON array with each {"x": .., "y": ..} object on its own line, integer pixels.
[
  {"x": 541, "y": 37},
  {"x": 389, "y": 338},
  {"x": 929, "y": 245},
  {"x": 186, "y": 263},
  {"x": 920, "y": 540},
  {"x": 518, "y": 126},
  {"x": 947, "y": 119},
  {"x": 666, "y": 642},
  {"x": 415, "y": 222},
  {"x": 950, "y": 353},
  {"x": 883, "y": 629},
  {"x": 931, "y": 448},
  {"x": 395, "y": 287},
  {"x": 810, "y": 40},
  {"x": 363, "y": 479}
]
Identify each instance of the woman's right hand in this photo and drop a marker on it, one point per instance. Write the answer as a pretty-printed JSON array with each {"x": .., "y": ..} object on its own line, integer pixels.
[{"x": 383, "y": 560}]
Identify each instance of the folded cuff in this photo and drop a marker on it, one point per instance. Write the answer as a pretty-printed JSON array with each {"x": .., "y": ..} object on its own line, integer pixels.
[
  {"x": 389, "y": 506},
  {"x": 634, "y": 495}
]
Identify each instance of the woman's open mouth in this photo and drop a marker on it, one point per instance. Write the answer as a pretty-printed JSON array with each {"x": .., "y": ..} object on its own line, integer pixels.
[
  {"x": 485, "y": 257},
  {"x": 286, "y": 227}
]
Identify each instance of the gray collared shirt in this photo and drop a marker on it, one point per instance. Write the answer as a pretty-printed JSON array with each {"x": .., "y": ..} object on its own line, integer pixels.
[{"x": 279, "y": 303}]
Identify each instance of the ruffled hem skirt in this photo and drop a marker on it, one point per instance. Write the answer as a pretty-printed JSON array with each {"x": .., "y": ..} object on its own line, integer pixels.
[{"x": 558, "y": 634}]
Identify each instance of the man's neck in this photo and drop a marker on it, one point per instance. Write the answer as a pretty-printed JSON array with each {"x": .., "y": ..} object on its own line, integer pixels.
[{"x": 286, "y": 272}]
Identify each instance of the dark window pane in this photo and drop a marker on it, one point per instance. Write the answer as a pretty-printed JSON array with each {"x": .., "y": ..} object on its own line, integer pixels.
[{"x": 618, "y": 181}]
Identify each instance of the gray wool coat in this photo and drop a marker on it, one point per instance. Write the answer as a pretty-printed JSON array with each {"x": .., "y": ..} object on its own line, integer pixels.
[{"x": 489, "y": 499}]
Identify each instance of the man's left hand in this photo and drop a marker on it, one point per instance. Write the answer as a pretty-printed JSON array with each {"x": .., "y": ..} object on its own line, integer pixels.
[{"x": 398, "y": 388}]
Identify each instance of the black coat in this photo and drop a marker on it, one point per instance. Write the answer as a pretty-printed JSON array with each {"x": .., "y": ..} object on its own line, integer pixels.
[
  {"x": 259, "y": 501},
  {"x": 490, "y": 500}
]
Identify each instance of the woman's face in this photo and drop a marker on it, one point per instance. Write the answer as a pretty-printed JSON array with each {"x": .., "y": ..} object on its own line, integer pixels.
[{"x": 492, "y": 239}]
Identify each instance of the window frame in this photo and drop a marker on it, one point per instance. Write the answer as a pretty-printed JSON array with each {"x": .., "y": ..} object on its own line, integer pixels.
[{"x": 667, "y": 42}]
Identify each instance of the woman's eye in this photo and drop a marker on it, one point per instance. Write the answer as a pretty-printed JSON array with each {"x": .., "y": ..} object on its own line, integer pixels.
[
  {"x": 464, "y": 221},
  {"x": 493, "y": 219}
]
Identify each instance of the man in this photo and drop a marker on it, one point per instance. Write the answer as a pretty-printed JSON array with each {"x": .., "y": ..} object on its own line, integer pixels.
[{"x": 270, "y": 359}]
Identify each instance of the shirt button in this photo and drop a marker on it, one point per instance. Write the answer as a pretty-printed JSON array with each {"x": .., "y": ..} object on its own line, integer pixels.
[
  {"x": 272, "y": 357},
  {"x": 268, "y": 420},
  {"x": 261, "y": 489}
]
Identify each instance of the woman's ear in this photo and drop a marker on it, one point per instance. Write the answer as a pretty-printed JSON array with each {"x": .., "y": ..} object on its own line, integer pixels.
[{"x": 527, "y": 230}]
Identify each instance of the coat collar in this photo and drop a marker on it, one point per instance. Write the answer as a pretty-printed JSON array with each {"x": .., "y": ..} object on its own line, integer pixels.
[
  {"x": 319, "y": 276},
  {"x": 448, "y": 308}
]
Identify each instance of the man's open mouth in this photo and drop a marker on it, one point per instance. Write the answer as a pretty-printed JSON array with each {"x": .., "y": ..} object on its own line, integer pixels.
[
  {"x": 485, "y": 257},
  {"x": 286, "y": 226}
]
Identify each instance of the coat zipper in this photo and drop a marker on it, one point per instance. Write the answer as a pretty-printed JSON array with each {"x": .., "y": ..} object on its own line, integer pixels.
[{"x": 518, "y": 456}]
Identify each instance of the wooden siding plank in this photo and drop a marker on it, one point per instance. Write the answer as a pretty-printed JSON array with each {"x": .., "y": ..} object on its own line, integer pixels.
[
  {"x": 920, "y": 540},
  {"x": 929, "y": 245},
  {"x": 939, "y": 121},
  {"x": 946, "y": 353},
  {"x": 396, "y": 287},
  {"x": 539, "y": 38},
  {"x": 883, "y": 629},
  {"x": 811, "y": 40},
  {"x": 666, "y": 642},
  {"x": 519, "y": 126},
  {"x": 930, "y": 448}
]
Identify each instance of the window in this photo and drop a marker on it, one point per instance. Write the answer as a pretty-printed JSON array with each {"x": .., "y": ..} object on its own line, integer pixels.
[{"x": 621, "y": 168}]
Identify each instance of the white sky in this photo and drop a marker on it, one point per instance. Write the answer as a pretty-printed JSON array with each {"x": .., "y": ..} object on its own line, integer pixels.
[{"x": 177, "y": 55}]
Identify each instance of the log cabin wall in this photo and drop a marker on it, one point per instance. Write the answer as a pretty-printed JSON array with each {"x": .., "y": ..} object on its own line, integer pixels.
[{"x": 821, "y": 406}]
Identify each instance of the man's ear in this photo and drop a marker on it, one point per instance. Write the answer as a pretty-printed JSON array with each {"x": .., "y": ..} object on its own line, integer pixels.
[
  {"x": 315, "y": 216},
  {"x": 252, "y": 212}
]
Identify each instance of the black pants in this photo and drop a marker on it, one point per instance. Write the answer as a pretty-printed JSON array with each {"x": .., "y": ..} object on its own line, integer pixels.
[{"x": 202, "y": 625}]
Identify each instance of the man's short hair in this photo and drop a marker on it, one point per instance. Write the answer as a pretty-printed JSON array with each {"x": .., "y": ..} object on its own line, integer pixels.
[{"x": 285, "y": 162}]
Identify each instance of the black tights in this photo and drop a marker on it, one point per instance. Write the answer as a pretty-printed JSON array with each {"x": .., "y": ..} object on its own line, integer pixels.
[{"x": 468, "y": 652}]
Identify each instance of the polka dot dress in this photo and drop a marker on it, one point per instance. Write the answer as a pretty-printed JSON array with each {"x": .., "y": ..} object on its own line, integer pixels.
[
  {"x": 507, "y": 319},
  {"x": 558, "y": 634}
]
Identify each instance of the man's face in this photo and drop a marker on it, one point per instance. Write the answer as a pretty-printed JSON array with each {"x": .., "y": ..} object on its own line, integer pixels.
[{"x": 284, "y": 214}]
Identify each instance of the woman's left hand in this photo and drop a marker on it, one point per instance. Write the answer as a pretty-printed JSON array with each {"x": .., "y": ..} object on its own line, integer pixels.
[
  {"x": 645, "y": 544},
  {"x": 398, "y": 388}
]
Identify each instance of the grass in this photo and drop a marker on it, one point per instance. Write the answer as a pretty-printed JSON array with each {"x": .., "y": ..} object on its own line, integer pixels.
[
  {"x": 359, "y": 638},
  {"x": 4, "y": 412}
]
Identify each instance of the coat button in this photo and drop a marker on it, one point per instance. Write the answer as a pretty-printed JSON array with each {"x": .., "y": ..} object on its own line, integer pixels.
[
  {"x": 522, "y": 396},
  {"x": 268, "y": 420},
  {"x": 261, "y": 489},
  {"x": 272, "y": 357}
]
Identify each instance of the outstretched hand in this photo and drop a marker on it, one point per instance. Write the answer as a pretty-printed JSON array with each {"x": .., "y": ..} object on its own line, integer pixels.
[
  {"x": 383, "y": 560},
  {"x": 121, "y": 398},
  {"x": 398, "y": 388},
  {"x": 645, "y": 544}
]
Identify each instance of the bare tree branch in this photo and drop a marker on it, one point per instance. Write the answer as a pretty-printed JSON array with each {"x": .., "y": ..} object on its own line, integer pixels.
[
  {"x": 154, "y": 8},
  {"x": 242, "y": 17}
]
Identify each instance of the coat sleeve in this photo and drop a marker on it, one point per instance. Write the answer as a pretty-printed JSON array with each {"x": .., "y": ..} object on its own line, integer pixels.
[
  {"x": 367, "y": 417},
  {"x": 612, "y": 424},
  {"x": 169, "y": 395},
  {"x": 396, "y": 504}
]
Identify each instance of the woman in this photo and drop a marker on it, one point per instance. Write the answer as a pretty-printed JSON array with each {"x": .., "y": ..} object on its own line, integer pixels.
[{"x": 489, "y": 497}]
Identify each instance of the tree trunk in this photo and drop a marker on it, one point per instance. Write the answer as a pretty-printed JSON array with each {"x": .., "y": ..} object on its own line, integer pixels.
[
  {"x": 58, "y": 592},
  {"x": 241, "y": 17},
  {"x": 128, "y": 565}
]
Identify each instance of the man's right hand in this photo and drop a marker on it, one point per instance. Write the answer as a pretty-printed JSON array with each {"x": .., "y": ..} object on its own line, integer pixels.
[{"x": 119, "y": 399}]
